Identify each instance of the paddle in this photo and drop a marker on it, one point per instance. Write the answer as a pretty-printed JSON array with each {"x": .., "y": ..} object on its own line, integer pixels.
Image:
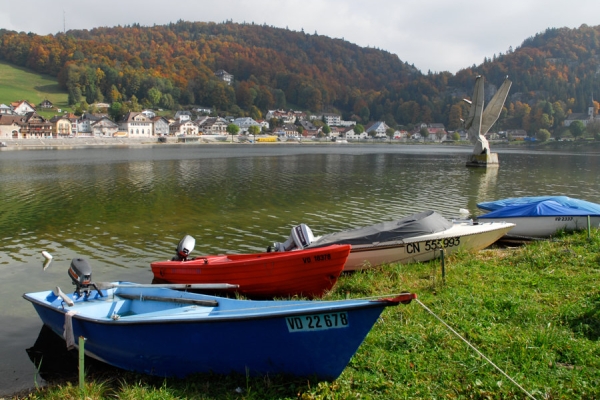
[
  {"x": 197, "y": 302},
  {"x": 59, "y": 293}
]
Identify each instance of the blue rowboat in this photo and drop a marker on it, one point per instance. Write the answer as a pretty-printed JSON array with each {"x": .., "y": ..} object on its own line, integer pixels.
[{"x": 165, "y": 332}]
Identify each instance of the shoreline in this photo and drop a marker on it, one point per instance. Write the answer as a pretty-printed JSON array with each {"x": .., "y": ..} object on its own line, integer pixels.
[{"x": 82, "y": 142}]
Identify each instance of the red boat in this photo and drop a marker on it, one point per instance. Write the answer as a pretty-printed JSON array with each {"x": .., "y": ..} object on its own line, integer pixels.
[{"x": 308, "y": 273}]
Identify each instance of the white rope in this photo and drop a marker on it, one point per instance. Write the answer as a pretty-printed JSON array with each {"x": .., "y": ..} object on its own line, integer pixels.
[{"x": 477, "y": 351}]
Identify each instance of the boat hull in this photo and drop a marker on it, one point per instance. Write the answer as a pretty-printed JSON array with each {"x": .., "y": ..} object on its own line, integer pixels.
[
  {"x": 301, "y": 338},
  {"x": 308, "y": 273},
  {"x": 460, "y": 237},
  {"x": 546, "y": 226}
]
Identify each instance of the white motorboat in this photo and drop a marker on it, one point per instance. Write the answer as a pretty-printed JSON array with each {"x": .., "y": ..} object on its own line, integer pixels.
[
  {"x": 542, "y": 216},
  {"x": 416, "y": 238}
]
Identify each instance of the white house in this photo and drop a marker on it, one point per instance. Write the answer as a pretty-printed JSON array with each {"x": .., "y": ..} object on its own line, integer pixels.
[
  {"x": 183, "y": 116},
  {"x": 6, "y": 110},
  {"x": 245, "y": 123},
  {"x": 224, "y": 76},
  {"x": 10, "y": 126},
  {"x": 22, "y": 107},
  {"x": 104, "y": 127},
  {"x": 186, "y": 128},
  {"x": 149, "y": 113},
  {"x": 332, "y": 119},
  {"x": 136, "y": 125},
  {"x": 377, "y": 129}
]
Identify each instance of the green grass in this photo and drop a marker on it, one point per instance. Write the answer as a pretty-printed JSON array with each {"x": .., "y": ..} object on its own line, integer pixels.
[
  {"x": 18, "y": 83},
  {"x": 533, "y": 310}
]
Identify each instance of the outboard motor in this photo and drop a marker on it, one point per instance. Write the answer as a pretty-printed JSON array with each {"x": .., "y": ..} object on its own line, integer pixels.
[
  {"x": 184, "y": 248},
  {"x": 300, "y": 238},
  {"x": 80, "y": 272}
]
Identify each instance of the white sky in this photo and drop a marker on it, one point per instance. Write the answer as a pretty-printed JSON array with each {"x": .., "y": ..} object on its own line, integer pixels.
[{"x": 436, "y": 35}]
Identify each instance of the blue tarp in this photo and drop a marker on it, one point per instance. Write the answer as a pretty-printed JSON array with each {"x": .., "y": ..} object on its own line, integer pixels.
[
  {"x": 548, "y": 208},
  {"x": 584, "y": 207}
]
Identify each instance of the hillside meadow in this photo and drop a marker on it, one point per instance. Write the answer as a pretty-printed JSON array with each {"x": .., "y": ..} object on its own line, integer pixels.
[
  {"x": 532, "y": 310},
  {"x": 20, "y": 84}
]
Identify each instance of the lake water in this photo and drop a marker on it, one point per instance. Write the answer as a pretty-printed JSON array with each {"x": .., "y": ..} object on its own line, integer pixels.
[{"x": 123, "y": 207}]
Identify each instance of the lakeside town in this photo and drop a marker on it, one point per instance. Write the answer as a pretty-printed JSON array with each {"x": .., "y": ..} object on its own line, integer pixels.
[{"x": 21, "y": 122}]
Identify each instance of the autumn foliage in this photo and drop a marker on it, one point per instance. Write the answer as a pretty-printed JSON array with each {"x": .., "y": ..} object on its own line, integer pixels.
[{"x": 173, "y": 66}]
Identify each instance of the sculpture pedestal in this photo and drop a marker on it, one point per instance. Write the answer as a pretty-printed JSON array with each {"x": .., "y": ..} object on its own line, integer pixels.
[{"x": 483, "y": 160}]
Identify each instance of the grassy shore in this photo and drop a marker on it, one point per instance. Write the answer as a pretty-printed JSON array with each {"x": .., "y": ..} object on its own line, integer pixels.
[{"x": 533, "y": 310}]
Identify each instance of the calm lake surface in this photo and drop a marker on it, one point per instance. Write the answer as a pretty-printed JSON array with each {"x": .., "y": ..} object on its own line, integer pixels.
[{"x": 123, "y": 207}]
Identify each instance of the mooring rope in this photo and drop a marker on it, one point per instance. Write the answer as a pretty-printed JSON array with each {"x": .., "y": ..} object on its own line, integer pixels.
[{"x": 475, "y": 349}]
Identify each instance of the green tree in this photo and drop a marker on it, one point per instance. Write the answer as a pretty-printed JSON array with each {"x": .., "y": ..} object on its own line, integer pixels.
[
  {"x": 326, "y": 129},
  {"x": 456, "y": 136},
  {"x": 154, "y": 96},
  {"x": 593, "y": 128},
  {"x": 233, "y": 130},
  {"x": 424, "y": 132},
  {"x": 577, "y": 129},
  {"x": 116, "y": 111},
  {"x": 254, "y": 130},
  {"x": 542, "y": 135},
  {"x": 358, "y": 129}
]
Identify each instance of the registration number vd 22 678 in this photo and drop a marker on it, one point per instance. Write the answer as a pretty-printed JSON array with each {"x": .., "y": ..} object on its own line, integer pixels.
[{"x": 304, "y": 323}]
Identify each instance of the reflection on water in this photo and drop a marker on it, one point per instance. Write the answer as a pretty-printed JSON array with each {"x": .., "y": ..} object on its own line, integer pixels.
[
  {"x": 122, "y": 208},
  {"x": 54, "y": 363}
]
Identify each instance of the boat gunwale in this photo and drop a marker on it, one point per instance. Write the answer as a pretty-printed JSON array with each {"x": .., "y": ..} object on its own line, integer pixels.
[
  {"x": 423, "y": 238},
  {"x": 327, "y": 306}
]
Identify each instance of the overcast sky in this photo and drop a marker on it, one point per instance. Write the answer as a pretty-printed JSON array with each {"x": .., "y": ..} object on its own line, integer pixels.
[{"x": 434, "y": 35}]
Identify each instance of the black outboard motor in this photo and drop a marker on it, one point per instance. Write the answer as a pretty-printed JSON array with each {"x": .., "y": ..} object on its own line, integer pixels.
[
  {"x": 184, "y": 248},
  {"x": 80, "y": 272}
]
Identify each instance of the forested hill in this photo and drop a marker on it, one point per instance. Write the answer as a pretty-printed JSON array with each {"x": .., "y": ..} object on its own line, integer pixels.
[{"x": 173, "y": 66}]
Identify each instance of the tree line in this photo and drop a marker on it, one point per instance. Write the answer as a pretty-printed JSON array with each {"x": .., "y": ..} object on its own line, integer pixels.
[{"x": 172, "y": 67}]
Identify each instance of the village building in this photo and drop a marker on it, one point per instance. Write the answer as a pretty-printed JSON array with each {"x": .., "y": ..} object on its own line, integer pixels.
[
  {"x": 104, "y": 127},
  {"x": 36, "y": 127},
  {"x": 224, "y": 76},
  {"x": 332, "y": 119},
  {"x": 161, "y": 126},
  {"x": 46, "y": 104},
  {"x": 213, "y": 126},
  {"x": 377, "y": 129},
  {"x": 74, "y": 123},
  {"x": 516, "y": 134},
  {"x": 22, "y": 107},
  {"x": 183, "y": 116},
  {"x": 10, "y": 126},
  {"x": 84, "y": 123},
  {"x": 286, "y": 117},
  {"x": 203, "y": 110},
  {"x": 61, "y": 126},
  {"x": 5, "y": 110},
  {"x": 264, "y": 124},
  {"x": 245, "y": 123},
  {"x": 584, "y": 118},
  {"x": 136, "y": 125},
  {"x": 149, "y": 113},
  {"x": 183, "y": 128}
]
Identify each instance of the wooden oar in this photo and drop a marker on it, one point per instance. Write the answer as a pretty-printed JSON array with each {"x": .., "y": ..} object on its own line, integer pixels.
[
  {"x": 59, "y": 293},
  {"x": 208, "y": 303},
  {"x": 198, "y": 286}
]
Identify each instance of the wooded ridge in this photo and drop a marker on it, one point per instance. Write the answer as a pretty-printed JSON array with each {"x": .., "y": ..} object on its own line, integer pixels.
[{"x": 173, "y": 66}]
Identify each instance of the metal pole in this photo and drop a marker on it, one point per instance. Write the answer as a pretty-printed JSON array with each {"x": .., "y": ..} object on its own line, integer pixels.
[
  {"x": 443, "y": 266},
  {"x": 589, "y": 228},
  {"x": 81, "y": 363}
]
